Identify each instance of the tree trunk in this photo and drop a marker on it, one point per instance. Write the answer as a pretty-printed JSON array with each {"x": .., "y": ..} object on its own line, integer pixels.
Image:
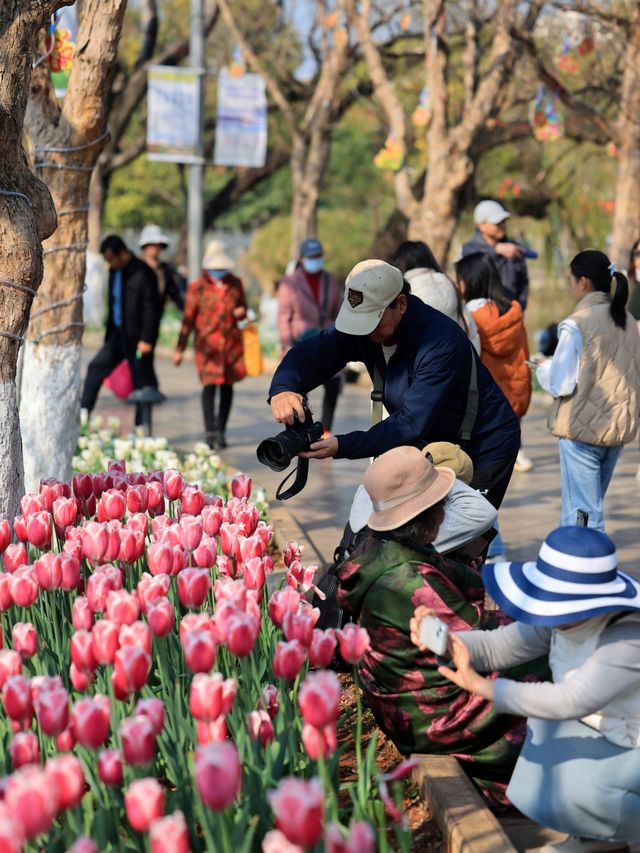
[
  {"x": 68, "y": 141},
  {"x": 27, "y": 216}
]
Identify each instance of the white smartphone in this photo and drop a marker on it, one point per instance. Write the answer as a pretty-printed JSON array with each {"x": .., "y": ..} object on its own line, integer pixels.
[{"x": 434, "y": 634}]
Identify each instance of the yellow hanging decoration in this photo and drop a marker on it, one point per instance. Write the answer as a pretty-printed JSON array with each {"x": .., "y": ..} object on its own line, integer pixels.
[{"x": 389, "y": 158}]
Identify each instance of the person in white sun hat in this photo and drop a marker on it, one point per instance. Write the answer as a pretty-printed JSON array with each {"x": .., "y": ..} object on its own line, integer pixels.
[{"x": 579, "y": 769}]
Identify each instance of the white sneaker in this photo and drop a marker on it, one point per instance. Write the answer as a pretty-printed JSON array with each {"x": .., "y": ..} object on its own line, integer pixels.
[
  {"x": 523, "y": 463},
  {"x": 573, "y": 844}
]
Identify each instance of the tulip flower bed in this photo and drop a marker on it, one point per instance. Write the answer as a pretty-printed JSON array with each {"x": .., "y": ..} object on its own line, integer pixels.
[{"x": 155, "y": 698}]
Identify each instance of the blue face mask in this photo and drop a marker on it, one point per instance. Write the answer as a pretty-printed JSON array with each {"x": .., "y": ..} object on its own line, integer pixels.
[
  {"x": 313, "y": 265},
  {"x": 217, "y": 273}
]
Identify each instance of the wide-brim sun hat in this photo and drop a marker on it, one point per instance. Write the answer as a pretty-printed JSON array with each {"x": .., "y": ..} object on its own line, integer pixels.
[
  {"x": 401, "y": 484},
  {"x": 370, "y": 288},
  {"x": 216, "y": 257},
  {"x": 152, "y": 235},
  {"x": 575, "y": 577}
]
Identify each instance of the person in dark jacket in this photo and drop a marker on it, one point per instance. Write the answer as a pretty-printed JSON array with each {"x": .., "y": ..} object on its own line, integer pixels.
[
  {"x": 132, "y": 322},
  {"x": 491, "y": 238},
  {"x": 171, "y": 284},
  {"x": 424, "y": 363}
]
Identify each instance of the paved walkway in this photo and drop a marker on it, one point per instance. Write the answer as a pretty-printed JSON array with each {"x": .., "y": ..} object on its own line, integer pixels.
[{"x": 530, "y": 510}]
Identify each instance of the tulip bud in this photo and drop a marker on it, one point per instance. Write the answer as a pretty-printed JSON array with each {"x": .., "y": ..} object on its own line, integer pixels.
[
  {"x": 199, "y": 650},
  {"x": 90, "y": 720},
  {"x": 169, "y": 834},
  {"x": 110, "y": 767},
  {"x": 211, "y": 696},
  {"x": 205, "y": 554},
  {"x": 20, "y": 528},
  {"x": 354, "y": 642},
  {"x": 270, "y": 699},
  {"x": 17, "y": 700},
  {"x": 194, "y": 622},
  {"x": 288, "y": 659},
  {"x": 193, "y": 586},
  {"x": 24, "y": 639},
  {"x": 70, "y": 571},
  {"x": 131, "y": 546},
  {"x": 24, "y": 749},
  {"x": 218, "y": 774},
  {"x": 122, "y": 607},
  {"x": 131, "y": 669},
  {"x": 67, "y": 777},
  {"x": 104, "y": 640},
  {"x": 190, "y": 531},
  {"x": 66, "y": 740},
  {"x": 298, "y": 807},
  {"x": 99, "y": 586},
  {"x": 319, "y": 698},
  {"x": 48, "y": 571},
  {"x": 52, "y": 711},
  {"x": 5, "y": 593},
  {"x": 173, "y": 484},
  {"x": 161, "y": 617},
  {"x": 154, "y": 710},
  {"x": 260, "y": 726},
  {"x": 144, "y": 803},
  {"x": 138, "y": 740},
  {"x": 95, "y": 541},
  {"x": 15, "y": 556}
]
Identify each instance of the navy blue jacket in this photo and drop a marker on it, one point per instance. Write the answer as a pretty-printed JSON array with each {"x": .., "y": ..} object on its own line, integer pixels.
[
  {"x": 513, "y": 271},
  {"x": 426, "y": 384}
]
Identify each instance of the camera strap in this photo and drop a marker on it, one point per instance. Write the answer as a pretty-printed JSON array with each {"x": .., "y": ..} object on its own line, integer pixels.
[{"x": 301, "y": 471}]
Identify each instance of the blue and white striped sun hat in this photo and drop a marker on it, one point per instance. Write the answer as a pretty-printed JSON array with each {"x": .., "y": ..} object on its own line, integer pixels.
[{"x": 575, "y": 577}]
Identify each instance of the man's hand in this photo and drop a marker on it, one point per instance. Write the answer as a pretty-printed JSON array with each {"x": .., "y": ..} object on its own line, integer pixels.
[
  {"x": 177, "y": 358},
  {"x": 144, "y": 348},
  {"x": 322, "y": 449},
  {"x": 509, "y": 250},
  {"x": 284, "y": 404}
]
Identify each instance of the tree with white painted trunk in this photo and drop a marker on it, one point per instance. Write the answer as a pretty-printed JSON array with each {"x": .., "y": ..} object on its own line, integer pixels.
[
  {"x": 66, "y": 138},
  {"x": 27, "y": 217}
]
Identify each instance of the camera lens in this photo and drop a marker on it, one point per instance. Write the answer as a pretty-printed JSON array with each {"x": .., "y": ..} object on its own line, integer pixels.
[{"x": 274, "y": 453}]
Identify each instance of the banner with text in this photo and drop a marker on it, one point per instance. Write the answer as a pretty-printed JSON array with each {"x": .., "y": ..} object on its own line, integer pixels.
[
  {"x": 173, "y": 106},
  {"x": 241, "y": 126}
]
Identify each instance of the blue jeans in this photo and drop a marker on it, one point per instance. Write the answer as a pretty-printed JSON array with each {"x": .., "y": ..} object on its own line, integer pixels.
[{"x": 585, "y": 471}]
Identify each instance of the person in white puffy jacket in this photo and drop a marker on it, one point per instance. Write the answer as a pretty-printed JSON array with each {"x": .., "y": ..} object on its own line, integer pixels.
[{"x": 429, "y": 283}]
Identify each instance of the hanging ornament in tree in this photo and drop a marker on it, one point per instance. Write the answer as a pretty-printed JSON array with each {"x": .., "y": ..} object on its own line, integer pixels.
[
  {"x": 237, "y": 66},
  {"x": 421, "y": 114},
  {"x": 545, "y": 120},
  {"x": 389, "y": 158},
  {"x": 405, "y": 21},
  {"x": 341, "y": 37},
  {"x": 566, "y": 61},
  {"x": 612, "y": 149},
  {"x": 331, "y": 20}
]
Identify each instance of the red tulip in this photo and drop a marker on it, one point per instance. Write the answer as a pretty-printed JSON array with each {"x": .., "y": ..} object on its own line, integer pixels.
[
  {"x": 154, "y": 710},
  {"x": 192, "y": 500},
  {"x": 90, "y": 720},
  {"x": 156, "y": 498},
  {"x": 31, "y": 799},
  {"x": 161, "y": 617},
  {"x": 138, "y": 740},
  {"x": 288, "y": 659},
  {"x": 66, "y": 740},
  {"x": 218, "y": 774},
  {"x": 67, "y": 776},
  {"x": 322, "y": 648},
  {"x": 214, "y": 731},
  {"x": 211, "y": 520},
  {"x": 173, "y": 484},
  {"x": 48, "y": 571},
  {"x": 70, "y": 571},
  {"x": 319, "y": 698},
  {"x": 52, "y": 711},
  {"x": 10, "y": 664},
  {"x": 110, "y": 767},
  {"x": 24, "y": 639},
  {"x": 241, "y": 486},
  {"x": 169, "y": 834},
  {"x": 104, "y": 640},
  {"x": 82, "y": 651},
  {"x": 5, "y": 534},
  {"x": 144, "y": 803},
  {"x": 283, "y": 601},
  {"x": 24, "y": 749},
  {"x": 12, "y": 835},
  {"x": 137, "y": 498},
  {"x": 319, "y": 741},
  {"x": 39, "y": 530},
  {"x": 131, "y": 669},
  {"x": 23, "y": 586},
  {"x": 160, "y": 558},
  {"x": 20, "y": 528},
  {"x": 260, "y": 726},
  {"x": 270, "y": 699},
  {"x": 199, "y": 650},
  {"x": 354, "y": 642},
  {"x": 211, "y": 696},
  {"x": 193, "y": 586},
  {"x": 81, "y": 614},
  {"x": 17, "y": 700},
  {"x": 65, "y": 511},
  {"x": 131, "y": 546},
  {"x": 82, "y": 486},
  {"x": 362, "y": 838},
  {"x": 242, "y": 632},
  {"x": 137, "y": 634},
  {"x": 95, "y": 541},
  {"x": 151, "y": 588},
  {"x": 299, "y": 625},
  {"x": 83, "y": 845},
  {"x": 112, "y": 505},
  {"x": 122, "y": 607},
  {"x": 298, "y": 807},
  {"x": 6, "y": 601},
  {"x": 15, "y": 556}
]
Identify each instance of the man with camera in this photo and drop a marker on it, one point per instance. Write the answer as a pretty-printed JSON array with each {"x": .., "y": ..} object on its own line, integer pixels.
[{"x": 424, "y": 370}]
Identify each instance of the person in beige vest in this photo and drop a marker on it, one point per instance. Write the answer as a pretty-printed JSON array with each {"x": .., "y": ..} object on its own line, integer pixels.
[{"x": 594, "y": 377}]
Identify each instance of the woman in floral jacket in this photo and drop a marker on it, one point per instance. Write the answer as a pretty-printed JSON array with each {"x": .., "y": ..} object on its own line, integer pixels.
[
  {"x": 391, "y": 573},
  {"x": 214, "y": 304}
]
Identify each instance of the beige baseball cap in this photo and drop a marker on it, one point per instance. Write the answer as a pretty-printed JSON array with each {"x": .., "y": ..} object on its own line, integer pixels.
[{"x": 370, "y": 287}]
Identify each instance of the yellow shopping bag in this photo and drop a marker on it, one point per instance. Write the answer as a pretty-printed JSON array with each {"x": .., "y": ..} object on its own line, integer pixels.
[{"x": 252, "y": 350}]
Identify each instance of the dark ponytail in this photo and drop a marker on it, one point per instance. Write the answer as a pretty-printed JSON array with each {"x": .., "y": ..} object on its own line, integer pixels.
[
  {"x": 482, "y": 280},
  {"x": 598, "y": 269}
]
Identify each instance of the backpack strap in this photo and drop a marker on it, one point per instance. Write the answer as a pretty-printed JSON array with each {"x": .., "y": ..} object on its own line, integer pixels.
[
  {"x": 376, "y": 396},
  {"x": 471, "y": 413},
  {"x": 325, "y": 299}
]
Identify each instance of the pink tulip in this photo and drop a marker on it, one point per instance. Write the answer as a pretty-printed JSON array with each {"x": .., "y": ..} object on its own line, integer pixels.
[
  {"x": 192, "y": 500},
  {"x": 112, "y": 505},
  {"x": 362, "y": 838},
  {"x": 260, "y": 726},
  {"x": 199, "y": 650},
  {"x": 90, "y": 719},
  {"x": 80, "y": 680},
  {"x": 298, "y": 807},
  {"x": 24, "y": 639},
  {"x": 83, "y": 845},
  {"x": 144, "y": 803},
  {"x": 131, "y": 546},
  {"x": 194, "y": 622},
  {"x": 52, "y": 711},
  {"x": 218, "y": 774},
  {"x": 137, "y": 634},
  {"x": 211, "y": 696},
  {"x": 190, "y": 530},
  {"x": 15, "y": 556},
  {"x": 65, "y": 511},
  {"x": 122, "y": 607},
  {"x": 193, "y": 586},
  {"x": 277, "y": 842},
  {"x": 70, "y": 571},
  {"x": 288, "y": 659},
  {"x": 10, "y": 664},
  {"x": 161, "y": 617},
  {"x": 99, "y": 586},
  {"x": 43, "y": 683},
  {"x": 31, "y": 799},
  {"x": 82, "y": 651},
  {"x": 270, "y": 699},
  {"x": 214, "y": 731},
  {"x": 160, "y": 558},
  {"x": 205, "y": 554},
  {"x": 211, "y": 520},
  {"x": 151, "y": 588},
  {"x": 173, "y": 484},
  {"x": 67, "y": 776},
  {"x": 20, "y": 528},
  {"x": 241, "y": 486},
  {"x": 154, "y": 710},
  {"x": 66, "y": 740},
  {"x": 169, "y": 834},
  {"x": 6, "y": 601},
  {"x": 39, "y": 530},
  {"x": 110, "y": 767},
  {"x": 24, "y": 749},
  {"x": 81, "y": 614},
  {"x": 248, "y": 519},
  {"x": 283, "y": 601},
  {"x": 23, "y": 586},
  {"x": 249, "y": 547},
  {"x": 12, "y": 835},
  {"x": 138, "y": 740},
  {"x": 156, "y": 499},
  {"x": 104, "y": 640},
  {"x": 137, "y": 498},
  {"x": 229, "y": 534},
  {"x": 95, "y": 541},
  {"x": 17, "y": 699},
  {"x": 253, "y": 573},
  {"x": 292, "y": 551},
  {"x": 354, "y": 642},
  {"x": 48, "y": 571},
  {"x": 299, "y": 625},
  {"x": 317, "y": 741},
  {"x": 5, "y": 534},
  {"x": 322, "y": 648},
  {"x": 319, "y": 698},
  {"x": 241, "y": 634},
  {"x": 131, "y": 669}
]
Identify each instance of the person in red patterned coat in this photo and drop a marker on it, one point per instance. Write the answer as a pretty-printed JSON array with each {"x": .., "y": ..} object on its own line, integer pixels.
[{"x": 214, "y": 304}]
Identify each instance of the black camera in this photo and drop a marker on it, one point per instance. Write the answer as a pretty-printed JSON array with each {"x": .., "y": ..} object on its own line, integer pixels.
[{"x": 277, "y": 452}]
